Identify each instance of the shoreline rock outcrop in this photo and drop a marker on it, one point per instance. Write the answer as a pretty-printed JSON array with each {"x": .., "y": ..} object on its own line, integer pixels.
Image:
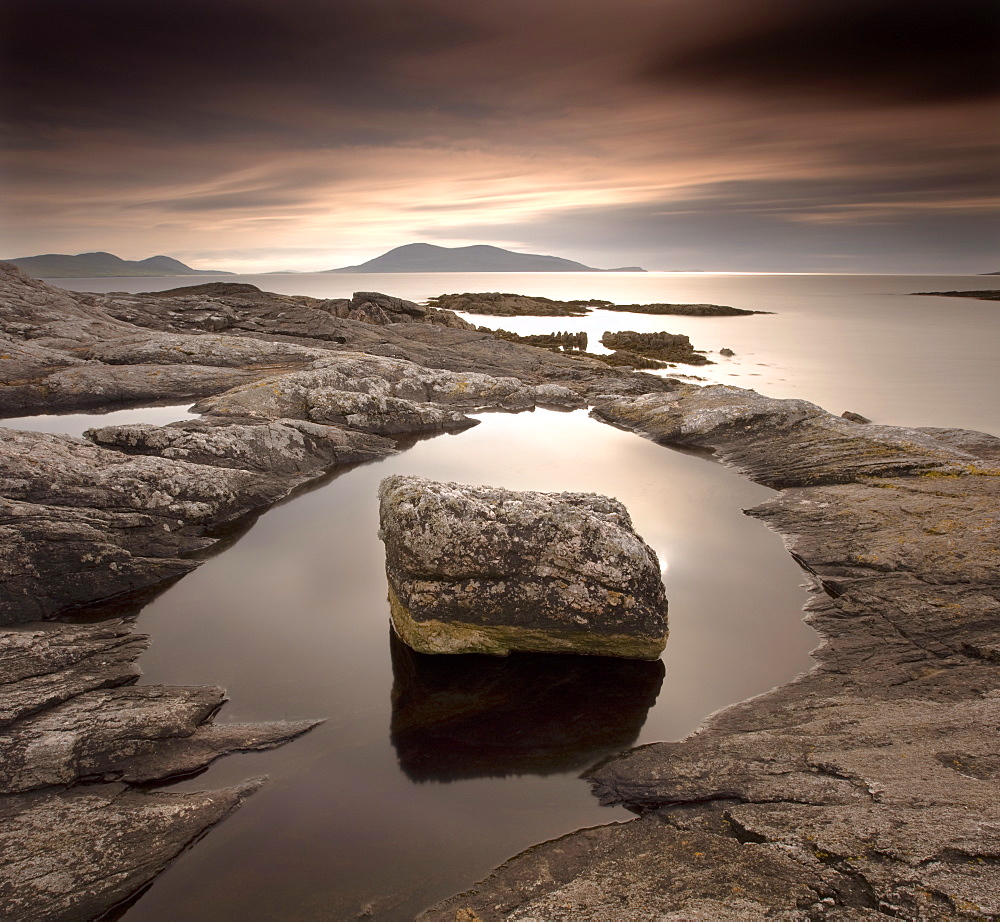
[
  {"x": 505, "y": 304},
  {"x": 867, "y": 788},
  {"x": 489, "y": 570},
  {"x": 666, "y": 347}
]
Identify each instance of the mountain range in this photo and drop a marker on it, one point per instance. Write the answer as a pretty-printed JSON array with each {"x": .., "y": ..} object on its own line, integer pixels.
[
  {"x": 426, "y": 257},
  {"x": 104, "y": 265}
]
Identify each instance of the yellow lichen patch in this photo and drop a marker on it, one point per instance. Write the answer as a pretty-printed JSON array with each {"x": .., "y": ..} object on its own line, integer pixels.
[{"x": 432, "y": 636}]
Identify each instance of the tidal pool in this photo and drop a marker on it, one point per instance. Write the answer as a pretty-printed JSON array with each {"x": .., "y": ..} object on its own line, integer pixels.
[{"x": 430, "y": 771}]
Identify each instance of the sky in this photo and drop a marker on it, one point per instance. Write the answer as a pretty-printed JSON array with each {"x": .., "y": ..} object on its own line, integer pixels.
[{"x": 717, "y": 135}]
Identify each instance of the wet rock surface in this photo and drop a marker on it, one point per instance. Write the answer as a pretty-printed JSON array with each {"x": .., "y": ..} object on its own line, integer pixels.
[
  {"x": 488, "y": 570},
  {"x": 866, "y": 789}
]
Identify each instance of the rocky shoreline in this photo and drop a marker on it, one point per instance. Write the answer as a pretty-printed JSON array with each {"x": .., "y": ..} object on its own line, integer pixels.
[{"x": 866, "y": 789}]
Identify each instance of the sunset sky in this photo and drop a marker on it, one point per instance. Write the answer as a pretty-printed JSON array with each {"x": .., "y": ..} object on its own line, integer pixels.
[{"x": 742, "y": 135}]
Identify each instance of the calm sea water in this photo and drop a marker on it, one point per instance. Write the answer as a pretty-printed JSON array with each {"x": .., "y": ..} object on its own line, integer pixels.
[
  {"x": 846, "y": 342},
  {"x": 431, "y": 770}
]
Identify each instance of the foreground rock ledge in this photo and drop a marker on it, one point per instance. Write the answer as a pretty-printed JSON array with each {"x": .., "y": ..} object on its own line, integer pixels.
[{"x": 489, "y": 570}]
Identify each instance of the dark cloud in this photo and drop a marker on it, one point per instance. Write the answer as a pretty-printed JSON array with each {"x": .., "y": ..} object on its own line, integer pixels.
[
  {"x": 900, "y": 51},
  {"x": 184, "y": 64}
]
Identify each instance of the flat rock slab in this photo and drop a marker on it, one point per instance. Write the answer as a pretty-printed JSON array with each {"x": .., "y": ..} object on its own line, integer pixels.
[{"x": 487, "y": 570}]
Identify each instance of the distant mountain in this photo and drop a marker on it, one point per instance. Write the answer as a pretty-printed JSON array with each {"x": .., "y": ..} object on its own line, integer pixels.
[
  {"x": 104, "y": 265},
  {"x": 426, "y": 257}
]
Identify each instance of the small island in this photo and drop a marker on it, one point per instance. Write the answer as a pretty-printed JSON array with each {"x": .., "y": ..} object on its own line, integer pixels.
[
  {"x": 427, "y": 257},
  {"x": 988, "y": 294},
  {"x": 104, "y": 265}
]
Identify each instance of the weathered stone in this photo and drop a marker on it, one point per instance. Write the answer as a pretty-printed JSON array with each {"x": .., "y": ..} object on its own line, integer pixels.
[
  {"x": 80, "y": 523},
  {"x": 622, "y": 358},
  {"x": 561, "y": 340},
  {"x": 286, "y": 447},
  {"x": 488, "y": 570},
  {"x": 375, "y": 307},
  {"x": 667, "y": 347},
  {"x": 134, "y": 734},
  {"x": 45, "y": 664},
  {"x": 332, "y": 390},
  {"x": 783, "y": 442},
  {"x": 77, "y": 854},
  {"x": 645, "y": 870}
]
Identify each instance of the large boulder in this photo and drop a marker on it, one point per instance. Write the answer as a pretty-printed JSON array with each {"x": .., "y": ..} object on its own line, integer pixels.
[{"x": 487, "y": 570}]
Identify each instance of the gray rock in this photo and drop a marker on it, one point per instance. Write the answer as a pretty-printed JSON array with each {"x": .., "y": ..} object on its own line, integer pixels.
[
  {"x": 329, "y": 392},
  {"x": 667, "y": 347},
  {"x": 79, "y": 523},
  {"x": 135, "y": 734},
  {"x": 76, "y": 854},
  {"x": 284, "y": 447},
  {"x": 45, "y": 664},
  {"x": 69, "y": 715},
  {"x": 375, "y": 307},
  {"x": 488, "y": 570},
  {"x": 782, "y": 442},
  {"x": 643, "y": 870}
]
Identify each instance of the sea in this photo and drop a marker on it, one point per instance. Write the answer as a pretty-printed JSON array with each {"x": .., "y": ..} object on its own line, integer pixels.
[{"x": 430, "y": 771}]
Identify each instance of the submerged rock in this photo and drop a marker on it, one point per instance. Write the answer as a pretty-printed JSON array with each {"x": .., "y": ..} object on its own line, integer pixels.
[{"x": 489, "y": 570}]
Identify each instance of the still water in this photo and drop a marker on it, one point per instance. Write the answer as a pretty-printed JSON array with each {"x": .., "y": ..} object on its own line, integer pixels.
[{"x": 431, "y": 771}]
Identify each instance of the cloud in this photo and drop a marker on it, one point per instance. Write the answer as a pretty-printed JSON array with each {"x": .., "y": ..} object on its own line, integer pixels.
[
  {"x": 855, "y": 51},
  {"x": 360, "y": 124}
]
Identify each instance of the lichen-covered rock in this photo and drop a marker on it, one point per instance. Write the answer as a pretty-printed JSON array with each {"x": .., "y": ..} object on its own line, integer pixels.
[
  {"x": 489, "y": 570},
  {"x": 787, "y": 442},
  {"x": 286, "y": 447},
  {"x": 78, "y": 853}
]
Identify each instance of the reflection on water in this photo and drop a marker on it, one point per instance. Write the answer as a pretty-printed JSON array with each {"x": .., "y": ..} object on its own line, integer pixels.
[
  {"x": 293, "y": 620},
  {"x": 477, "y": 716},
  {"x": 76, "y": 423}
]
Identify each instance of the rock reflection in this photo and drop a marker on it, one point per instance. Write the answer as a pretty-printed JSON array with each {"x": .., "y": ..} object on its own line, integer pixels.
[{"x": 474, "y": 716}]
